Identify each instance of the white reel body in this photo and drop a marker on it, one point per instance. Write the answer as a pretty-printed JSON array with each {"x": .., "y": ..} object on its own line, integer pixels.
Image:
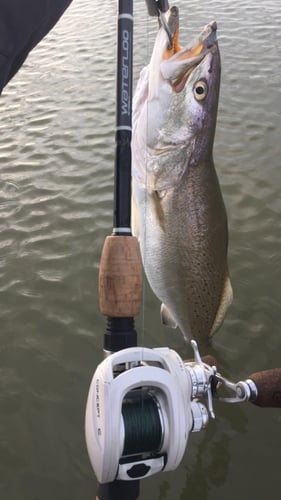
[{"x": 161, "y": 376}]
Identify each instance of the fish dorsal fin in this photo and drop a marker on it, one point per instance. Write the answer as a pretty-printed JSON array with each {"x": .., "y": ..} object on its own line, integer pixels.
[
  {"x": 226, "y": 299},
  {"x": 167, "y": 318}
]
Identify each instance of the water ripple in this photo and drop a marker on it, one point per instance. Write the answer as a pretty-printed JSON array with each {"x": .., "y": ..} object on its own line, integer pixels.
[{"x": 56, "y": 196}]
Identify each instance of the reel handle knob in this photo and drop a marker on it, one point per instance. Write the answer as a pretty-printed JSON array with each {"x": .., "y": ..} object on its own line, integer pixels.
[{"x": 268, "y": 388}]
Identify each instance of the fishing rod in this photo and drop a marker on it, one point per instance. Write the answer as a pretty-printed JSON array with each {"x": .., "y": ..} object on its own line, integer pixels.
[{"x": 120, "y": 276}]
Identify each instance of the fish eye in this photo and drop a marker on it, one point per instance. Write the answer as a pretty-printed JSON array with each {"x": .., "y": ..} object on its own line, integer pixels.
[{"x": 200, "y": 90}]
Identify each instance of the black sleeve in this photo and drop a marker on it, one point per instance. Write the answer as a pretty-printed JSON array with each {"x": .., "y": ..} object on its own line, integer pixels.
[{"x": 23, "y": 23}]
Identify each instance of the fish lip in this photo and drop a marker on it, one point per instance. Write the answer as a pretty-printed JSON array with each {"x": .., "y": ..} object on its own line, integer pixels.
[
  {"x": 178, "y": 62},
  {"x": 173, "y": 20}
]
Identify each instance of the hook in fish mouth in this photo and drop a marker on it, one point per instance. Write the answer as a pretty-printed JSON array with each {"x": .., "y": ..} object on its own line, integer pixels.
[
  {"x": 177, "y": 61},
  {"x": 164, "y": 23},
  {"x": 170, "y": 25}
]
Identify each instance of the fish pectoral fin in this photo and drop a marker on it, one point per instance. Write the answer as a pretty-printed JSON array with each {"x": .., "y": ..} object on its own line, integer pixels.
[
  {"x": 167, "y": 318},
  {"x": 156, "y": 197},
  {"x": 226, "y": 299}
]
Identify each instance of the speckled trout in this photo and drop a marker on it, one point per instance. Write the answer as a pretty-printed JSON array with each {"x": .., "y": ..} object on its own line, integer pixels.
[{"x": 178, "y": 213}]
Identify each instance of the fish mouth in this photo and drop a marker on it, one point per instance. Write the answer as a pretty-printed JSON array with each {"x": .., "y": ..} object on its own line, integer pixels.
[{"x": 178, "y": 62}]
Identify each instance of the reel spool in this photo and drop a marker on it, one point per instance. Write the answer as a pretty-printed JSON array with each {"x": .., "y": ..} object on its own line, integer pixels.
[{"x": 139, "y": 414}]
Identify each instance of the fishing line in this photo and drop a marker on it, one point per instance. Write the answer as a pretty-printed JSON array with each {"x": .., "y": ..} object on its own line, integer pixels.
[
  {"x": 144, "y": 288},
  {"x": 143, "y": 430},
  {"x": 149, "y": 46},
  {"x": 142, "y": 423}
]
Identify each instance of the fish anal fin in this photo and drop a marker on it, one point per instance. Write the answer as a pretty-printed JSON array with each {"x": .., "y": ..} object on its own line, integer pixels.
[
  {"x": 167, "y": 318},
  {"x": 226, "y": 299}
]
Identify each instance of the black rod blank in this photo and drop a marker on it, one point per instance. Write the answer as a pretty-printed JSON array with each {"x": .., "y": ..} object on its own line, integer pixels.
[
  {"x": 122, "y": 192},
  {"x": 124, "y": 327}
]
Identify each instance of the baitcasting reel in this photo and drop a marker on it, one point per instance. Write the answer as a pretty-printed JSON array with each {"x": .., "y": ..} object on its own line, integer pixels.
[
  {"x": 143, "y": 403},
  {"x": 139, "y": 414}
]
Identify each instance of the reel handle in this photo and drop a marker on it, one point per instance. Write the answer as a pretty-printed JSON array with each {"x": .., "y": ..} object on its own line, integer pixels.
[
  {"x": 268, "y": 387},
  {"x": 261, "y": 388}
]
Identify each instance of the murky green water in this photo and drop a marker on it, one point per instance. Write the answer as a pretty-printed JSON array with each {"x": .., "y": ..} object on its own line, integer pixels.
[{"x": 56, "y": 180}]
